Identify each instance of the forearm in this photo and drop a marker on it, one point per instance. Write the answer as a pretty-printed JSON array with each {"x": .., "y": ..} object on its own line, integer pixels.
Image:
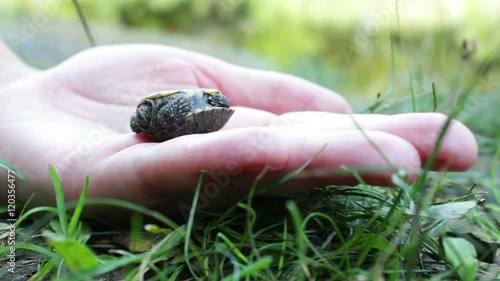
[{"x": 11, "y": 67}]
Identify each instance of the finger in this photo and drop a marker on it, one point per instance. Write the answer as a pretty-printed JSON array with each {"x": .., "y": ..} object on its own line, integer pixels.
[
  {"x": 171, "y": 166},
  {"x": 458, "y": 150},
  {"x": 267, "y": 90},
  {"x": 136, "y": 70},
  {"x": 249, "y": 117}
]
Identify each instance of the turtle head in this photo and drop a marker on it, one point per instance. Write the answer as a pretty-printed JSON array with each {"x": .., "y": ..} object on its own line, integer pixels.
[
  {"x": 217, "y": 99},
  {"x": 140, "y": 121}
]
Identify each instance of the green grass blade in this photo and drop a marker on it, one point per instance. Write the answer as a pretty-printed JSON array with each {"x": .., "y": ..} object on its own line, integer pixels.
[
  {"x": 36, "y": 210},
  {"x": 61, "y": 205},
  {"x": 84, "y": 23},
  {"x": 11, "y": 167},
  {"x": 189, "y": 226},
  {"x": 76, "y": 256},
  {"x": 406, "y": 57},
  {"x": 44, "y": 271},
  {"x": 280, "y": 180},
  {"x": 271, "y": 185},
  {"x": 319, "y": 255},
  {"x": 434, "y": 97},
  {"x": 38, "y": 249},
  {"x": 281, "y": 260},
  {"x": 494, "y": 188},
  {"x": 251, "y": 269},
  {"x": 114, "y": 264},
  {"x": 232, "y": 247},
  {"x": 300, "y": 239},
  {"x": 461, "y": 255},
  {"x": 75, "y": 218},
  {"x": 127, "y": 205}
]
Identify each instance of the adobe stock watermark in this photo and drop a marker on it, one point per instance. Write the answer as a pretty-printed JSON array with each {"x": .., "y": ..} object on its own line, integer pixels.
[
  {"x": 370, "y": 29},
  {"x": 225, "y": 8},
  {"x": 91, "y": 139},
  {"x": 156, "y": 78},
  {"x": 31, "y": 25},
  {"x": 11, "y": 221},
  {"x": 489, "y": 87}
]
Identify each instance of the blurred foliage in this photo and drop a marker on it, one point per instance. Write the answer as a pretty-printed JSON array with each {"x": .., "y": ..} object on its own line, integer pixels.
[{"x": 328, "y": 42}]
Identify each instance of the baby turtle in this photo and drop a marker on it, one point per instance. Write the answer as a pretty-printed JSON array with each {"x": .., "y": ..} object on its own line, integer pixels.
[{"x": 169, "y": 114}]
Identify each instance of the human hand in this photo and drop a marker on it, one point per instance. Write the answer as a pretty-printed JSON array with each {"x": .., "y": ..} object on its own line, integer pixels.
[{"x": 76, "y": 117}]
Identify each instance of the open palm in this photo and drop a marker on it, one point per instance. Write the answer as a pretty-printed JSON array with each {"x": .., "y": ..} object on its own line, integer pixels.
[{"x": 76, "y": 117}]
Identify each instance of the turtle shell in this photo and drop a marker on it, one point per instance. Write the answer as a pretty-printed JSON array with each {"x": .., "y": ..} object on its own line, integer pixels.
[{"x": 166, "y": 115}]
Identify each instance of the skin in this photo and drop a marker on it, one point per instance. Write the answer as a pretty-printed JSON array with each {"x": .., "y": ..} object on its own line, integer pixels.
[{"x": 76, "y": 117}]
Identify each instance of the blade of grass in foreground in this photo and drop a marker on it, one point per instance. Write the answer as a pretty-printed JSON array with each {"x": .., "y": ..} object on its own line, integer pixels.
[
  {"x": 60, "y": 204},
  {"x": 299, "y": 235},
  {"x": 320, "y": 255},
  {"x": 75, "y": 218},
  {"x": 494, "y": 188},
  {"x": 77, "y": 256},
  {"x": 281, "y": 180},
  {"x": 11, "y": 167},
  {"x": 36, "y": 210},
  {"x": 272, "y": 184},
  {"x": 189, "y": 227},
  {"x": 420, "y": 190},
  {"x": 161, "y": 251},
  {"x": 251, "y": 269},
  {"x": 127, "y": 205},
  {"x": 251, "y": 218}
]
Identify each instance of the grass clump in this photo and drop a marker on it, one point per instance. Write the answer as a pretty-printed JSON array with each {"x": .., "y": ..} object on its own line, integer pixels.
[
  {"x": 330, "y": 233},
  {"x": 444, "y": 226}
]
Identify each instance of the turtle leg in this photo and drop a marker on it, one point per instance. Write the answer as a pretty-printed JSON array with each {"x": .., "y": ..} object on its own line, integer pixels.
[
  {"x": 171, "y": 116},
  {"x": 172, "y": 109}
]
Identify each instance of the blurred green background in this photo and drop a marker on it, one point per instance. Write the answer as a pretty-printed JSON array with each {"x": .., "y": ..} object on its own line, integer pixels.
[{"x": 357, "y": 48}]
